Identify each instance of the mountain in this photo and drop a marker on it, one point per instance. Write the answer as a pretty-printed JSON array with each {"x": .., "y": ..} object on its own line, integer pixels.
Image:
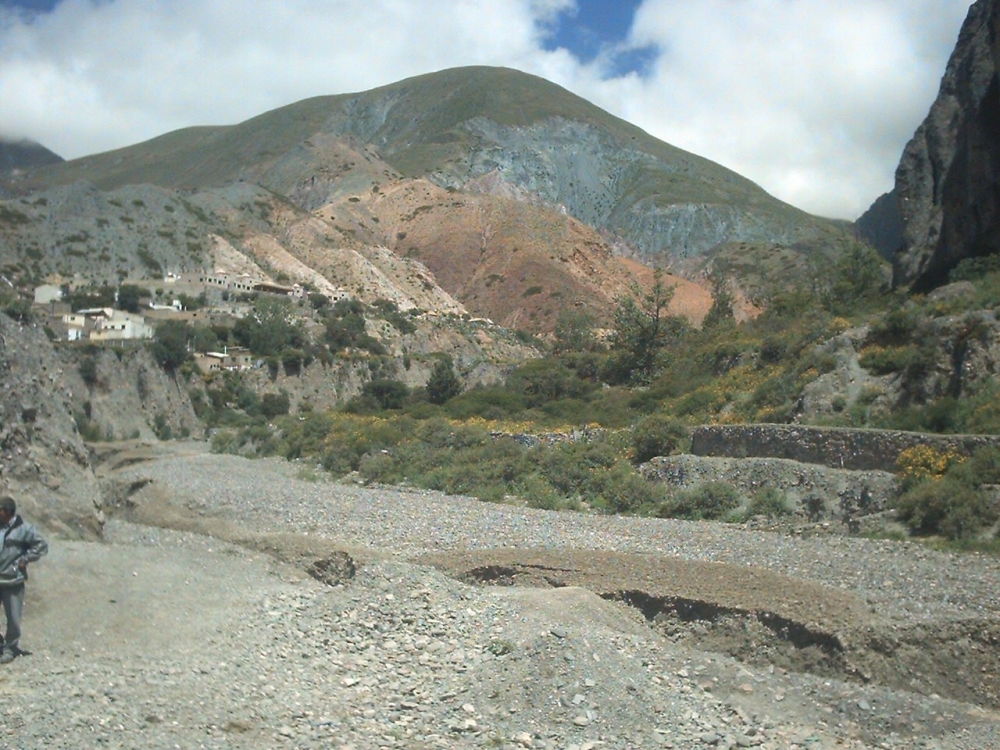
[
  {"x": 24, "y": 154},
  {"x": 476, "y": 129},
  {"x": 476, "y": 190},
  {"x": 948, "y": 180},
  {"x": 882, "y": 225}
]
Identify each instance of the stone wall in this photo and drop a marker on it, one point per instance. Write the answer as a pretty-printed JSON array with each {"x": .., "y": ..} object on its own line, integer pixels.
[{"x": 835, "y": 447}]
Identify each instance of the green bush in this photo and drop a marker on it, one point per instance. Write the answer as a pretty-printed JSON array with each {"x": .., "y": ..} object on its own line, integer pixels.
[
  {"x": 443, "y": 384},
  {"x": 89, "y": 431},
  {"x": 708, "y": 501},
  {"x": 770, "y": 502},
  {"x": 385, "y": 394},
  {"x": 162, "y": 428},
  {"x": 657, "y": 435},
  {"x": 622, "y": 490},
  {"x": 946, "y": 506},
  {"x": 274, "y": 404},
  {"x": 88, "y": 371},
  {"x": 18, "y": 309},
  {"x": 886, "y": 360}
]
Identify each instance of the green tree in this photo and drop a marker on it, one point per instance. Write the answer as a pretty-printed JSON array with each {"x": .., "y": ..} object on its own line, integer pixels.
[
  {"x": 170, "y": 345},
  {"x": 443, "y": 384},
  {"x": 204, "y": 339},
  {"x": 720, "y": 314},
  {"x": 859, "y": 277},
  {"x": 574, "y": 331},
  {"x": 129, "y": 296},
  {"x": 641, "y": 333},
  {"x": 270, "y": 328},
  {"x": 88, "y": 370},
  {"x": 292, "y": 360},
  {"x": 274, "y": 404},
  {"x": 388, "y": 394},
  {"x": 83, "y": 299}
]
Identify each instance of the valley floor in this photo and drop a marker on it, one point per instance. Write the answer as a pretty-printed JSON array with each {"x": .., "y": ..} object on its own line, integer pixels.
[{"x": 196, "y": 624}]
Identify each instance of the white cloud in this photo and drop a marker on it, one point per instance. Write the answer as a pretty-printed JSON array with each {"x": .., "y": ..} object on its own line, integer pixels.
[{"x": 813, "y": 100}]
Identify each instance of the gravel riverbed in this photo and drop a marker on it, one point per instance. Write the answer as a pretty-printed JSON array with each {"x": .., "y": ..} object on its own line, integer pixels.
[{"x": 165, "y": 638}]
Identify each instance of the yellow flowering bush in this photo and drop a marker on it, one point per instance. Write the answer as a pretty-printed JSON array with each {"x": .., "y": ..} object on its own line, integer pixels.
[{"x": 924, "y": 462}]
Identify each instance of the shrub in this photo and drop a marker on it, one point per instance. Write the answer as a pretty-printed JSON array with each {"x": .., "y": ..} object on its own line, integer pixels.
[
  {"x": 946, "y": 506},
  {"x": 18, "y": 309},
  {"x": 89, "y": 431},
  {"x": 622, "y": 490},
  {"x": 895, "y": 328},
  {"x": 88, "y": 371},
  {"x": 387, "y": 394},
  {"x": 162, "y": 428},
  {"x": 884, "y": 360},
  {"x": 914, "y": 465},
  {"x": 983, "y": 467},
  {"x": 708, "y": 501},
  {"x": 657, "y": 435},
  {"x": 443, "y": 384},
  {"x": 274, "y": 404},
  {"x": 770, "y": 502}
]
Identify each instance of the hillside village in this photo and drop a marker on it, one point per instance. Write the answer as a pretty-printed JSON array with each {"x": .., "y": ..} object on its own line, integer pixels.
[{"x": 221, "y": 298}]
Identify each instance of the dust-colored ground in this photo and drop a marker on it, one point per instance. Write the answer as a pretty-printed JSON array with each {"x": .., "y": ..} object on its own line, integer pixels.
[{"x": 755, "y": 614}]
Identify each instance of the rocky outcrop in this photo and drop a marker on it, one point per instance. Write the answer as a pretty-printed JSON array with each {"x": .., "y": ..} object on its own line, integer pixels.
[
  {"x": 948, "y": 180},
  {"x": 881, "y": 226},
  {"x": 819, "y": 492},
  {"x": 52, "y": 402},
  {"x": 46, "y": 465}
]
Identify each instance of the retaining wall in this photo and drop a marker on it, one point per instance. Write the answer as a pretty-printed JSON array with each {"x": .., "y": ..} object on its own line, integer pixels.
[{"x": 836, "y": 447}]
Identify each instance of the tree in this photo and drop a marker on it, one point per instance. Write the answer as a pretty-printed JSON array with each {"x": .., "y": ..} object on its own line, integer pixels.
[
  {"x": 642, "y": 330},
  {"x": 129, "y": 296},
  {"x": 443, "y": 384},
  {"x": 274, "y": 404},
  {"x": 204, "y": 339},
  {"x": 270, "y": 328},
  {"x": 170, "y": 346},
  {"x": 292, "y": 360},
  {"x": 575, "y": 331},
  {"x": 858, "y": 278},
  {"x": 388, "y": 394},
  {"x": 720, "y": 314}
]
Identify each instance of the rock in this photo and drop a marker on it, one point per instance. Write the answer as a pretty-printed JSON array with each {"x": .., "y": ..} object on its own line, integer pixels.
[
  {"x": 337, "y": 569},
  {"x": 948, "y": 180}
]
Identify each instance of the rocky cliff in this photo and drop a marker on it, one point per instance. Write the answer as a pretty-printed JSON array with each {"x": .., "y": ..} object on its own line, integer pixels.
[
  {"x": 881, "y": 226},
  {"x": 48, "y": 408},
  {"x": 948, "y": 180}
]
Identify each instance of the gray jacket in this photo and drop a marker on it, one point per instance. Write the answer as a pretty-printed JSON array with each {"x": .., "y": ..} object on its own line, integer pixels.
[{"x": 20, "y": 540}]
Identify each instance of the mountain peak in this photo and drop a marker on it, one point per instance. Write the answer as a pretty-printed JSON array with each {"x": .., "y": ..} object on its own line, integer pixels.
[{"x": 24, "y": 153}]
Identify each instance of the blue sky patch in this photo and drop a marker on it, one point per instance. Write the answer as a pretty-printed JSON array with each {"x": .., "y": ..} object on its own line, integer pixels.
[{"x": 598, "y": 27}]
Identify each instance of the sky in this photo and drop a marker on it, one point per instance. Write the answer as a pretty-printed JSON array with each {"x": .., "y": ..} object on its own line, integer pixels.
[{"x": 814, "y": 100}]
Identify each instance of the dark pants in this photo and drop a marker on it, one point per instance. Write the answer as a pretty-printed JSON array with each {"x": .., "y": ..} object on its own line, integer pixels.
[{"x": 13, "y": 602}]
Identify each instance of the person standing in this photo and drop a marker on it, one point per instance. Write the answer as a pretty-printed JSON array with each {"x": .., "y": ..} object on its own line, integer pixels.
[{"x": 21, "y": 544}]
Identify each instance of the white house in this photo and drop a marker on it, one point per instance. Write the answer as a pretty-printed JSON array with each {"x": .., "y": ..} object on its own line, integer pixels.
[{"x": 120, "y": 326}]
